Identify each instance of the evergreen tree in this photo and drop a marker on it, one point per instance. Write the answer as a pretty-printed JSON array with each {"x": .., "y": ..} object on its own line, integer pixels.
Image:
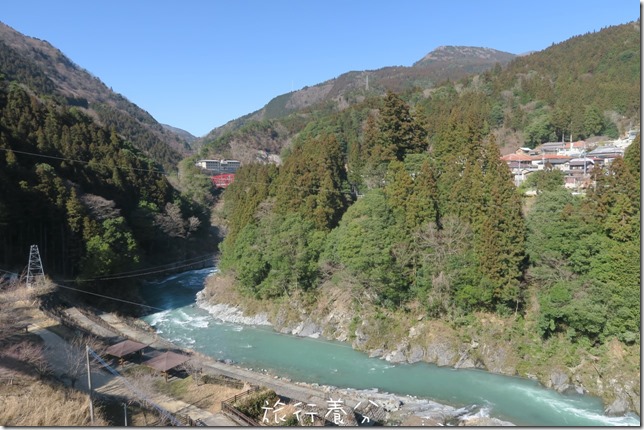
[
  {"x": 502, "y": 235},
  {"x": 399, "y": 130},
  {"x": 313, "y": 182},
  {"x": 422, "y": 205}
]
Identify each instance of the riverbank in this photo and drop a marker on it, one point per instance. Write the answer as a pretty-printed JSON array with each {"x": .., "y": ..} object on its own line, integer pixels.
[
  {"x": 508, "y": 346},
  {"x": 400, "y": 410}
]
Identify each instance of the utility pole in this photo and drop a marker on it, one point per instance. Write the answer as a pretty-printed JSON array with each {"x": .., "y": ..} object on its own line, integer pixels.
[
  {"x": 34, "y": 268},
  {"x": 89, "y": 386},
  {"x": 125, "y": 412}
]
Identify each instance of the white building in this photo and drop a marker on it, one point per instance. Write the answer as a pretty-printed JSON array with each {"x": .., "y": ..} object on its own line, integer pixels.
[{"x": 219, "y": 166}]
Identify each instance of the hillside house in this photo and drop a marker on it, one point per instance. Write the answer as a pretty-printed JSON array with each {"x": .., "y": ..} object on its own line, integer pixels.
[
  {"x": 560, "y": 162},
  {"x": 525, "y": 150},
  {"x": 607, "y": 153},
  {"x": 520, "y": 165},
  {"x": 578, "y": 177},
  {"x": 551, "y": 147},
  {"x": 573, "y": 149},
  {"x": 583, "y": 165}
]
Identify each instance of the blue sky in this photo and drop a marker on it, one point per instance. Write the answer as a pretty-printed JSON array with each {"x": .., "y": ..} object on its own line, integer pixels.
[{"x": 197, "y": 64}]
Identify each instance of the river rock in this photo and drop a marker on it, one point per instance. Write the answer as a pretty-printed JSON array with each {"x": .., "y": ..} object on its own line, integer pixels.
[
  {"x": 232, "y": 314},
  {"x": 618, "y": 407},
  {"x": 307, "y": 329},
  {"x": 391, "y": 405},
  {"x": 376, "y": 353},
  {"x": 497, "y": 359},
  {"x": 360, "y": 339},
  {"x": 396, "y": 356},
  {"x": 484, "y": 422},
  {"x": 441, "y": 353},
  {"x": 465, "y": 362},
  {"x": 416, "y": 353},
  {"x": 559, "y": 381}
]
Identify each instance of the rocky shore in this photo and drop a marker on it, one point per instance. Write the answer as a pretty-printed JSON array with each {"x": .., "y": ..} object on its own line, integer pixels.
[
  {"x": 429, "y": 341},
  {"x": 231, "y": 314},
  {"x": 400, "y": 410}
]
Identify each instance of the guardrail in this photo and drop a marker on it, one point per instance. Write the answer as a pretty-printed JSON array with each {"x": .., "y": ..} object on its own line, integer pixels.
[{"x": 227, "y": 407}]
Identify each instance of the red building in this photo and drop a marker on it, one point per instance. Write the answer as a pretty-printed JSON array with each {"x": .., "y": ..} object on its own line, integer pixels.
[{"x": 222, "y": 181}]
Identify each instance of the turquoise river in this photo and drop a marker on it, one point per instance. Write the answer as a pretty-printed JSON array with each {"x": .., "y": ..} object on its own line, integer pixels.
[{"x": 518, "y": 400}]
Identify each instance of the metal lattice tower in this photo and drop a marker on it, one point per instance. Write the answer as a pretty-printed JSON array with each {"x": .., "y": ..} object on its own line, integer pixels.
[{"x": 34, "y": 269}]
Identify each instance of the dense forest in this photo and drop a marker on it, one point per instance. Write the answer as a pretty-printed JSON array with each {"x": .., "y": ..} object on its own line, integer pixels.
[
  {"x": 47, "y": 71},
  {"x": 438, "y": 225},
  {"x": 92, "y": 201},
  {"x": 402, "y": 201}
]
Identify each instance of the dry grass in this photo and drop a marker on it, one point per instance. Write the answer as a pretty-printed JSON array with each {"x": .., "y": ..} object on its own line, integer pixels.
[
  {"x": 38, "y": 404},
  {"x": 209, "y": 397},
  {"x": 203, "y": 396},
  {"x": 27, "y": 396}
]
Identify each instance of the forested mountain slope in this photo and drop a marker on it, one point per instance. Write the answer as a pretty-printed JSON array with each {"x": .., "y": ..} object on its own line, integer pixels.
[
  {"x": 400, "y": 209},
  {"x": 288, "y": 113},
  {"x": 48, "y": 71},
  {"x": 588, "y": 85},
  {"x": 93, "y": 202}
]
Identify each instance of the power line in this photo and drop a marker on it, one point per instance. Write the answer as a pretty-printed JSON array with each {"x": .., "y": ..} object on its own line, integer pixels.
[
  {"x": 295, "y": 187},
  {"x": 11, "y": 273},
  {"x": 147, "y": 270},
  {"x": 138, "y": 169},
  {"x": 163, "y": 310},
  {"x": 142, "y": 274},
  {"x": 160, "y": 172},
  {"x": 110, "y": 298}
]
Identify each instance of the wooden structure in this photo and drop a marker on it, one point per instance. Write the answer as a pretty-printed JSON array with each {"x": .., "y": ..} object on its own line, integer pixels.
[
  {"x": 125, "y": 348},
  {"x": 228, "y": 407},
  {"x": 166, "y": 361}
]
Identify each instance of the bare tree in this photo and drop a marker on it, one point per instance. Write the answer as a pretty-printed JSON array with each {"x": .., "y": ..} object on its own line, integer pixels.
[
  {"x": 29, "y": 353},
  {"x": 75, "y": 357},
  {"x": 171, "y": 221},
  {"x": 193, "y": 224},
  {"x": 100, "y": 207}
]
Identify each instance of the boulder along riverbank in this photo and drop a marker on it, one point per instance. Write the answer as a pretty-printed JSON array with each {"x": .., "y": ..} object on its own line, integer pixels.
[{"x": 507, "y": 346}]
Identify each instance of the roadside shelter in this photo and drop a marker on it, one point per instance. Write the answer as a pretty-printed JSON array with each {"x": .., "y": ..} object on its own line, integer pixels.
[
  {"x": 125, "y": 348},
  {"x": 166, "y": 361}
]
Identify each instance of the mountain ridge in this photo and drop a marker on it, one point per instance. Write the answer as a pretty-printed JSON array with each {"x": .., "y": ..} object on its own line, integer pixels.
[
  {"x": 49, "y": 71},
  {"x": 458, "y": 54},
  {"x": 353, "y": 86}
]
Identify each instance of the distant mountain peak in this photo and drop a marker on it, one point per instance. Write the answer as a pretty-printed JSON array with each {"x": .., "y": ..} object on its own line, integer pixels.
[{"x": 464, "y": 54}]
